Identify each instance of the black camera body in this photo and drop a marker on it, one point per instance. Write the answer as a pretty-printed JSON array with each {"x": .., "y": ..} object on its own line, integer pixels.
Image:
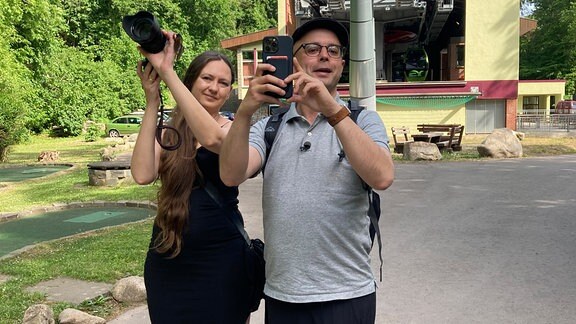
[{"x": 145, "y": 30}]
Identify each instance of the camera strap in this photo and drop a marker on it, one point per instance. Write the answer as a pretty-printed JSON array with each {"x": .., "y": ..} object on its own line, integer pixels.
[{"x": 161, "y": 127}]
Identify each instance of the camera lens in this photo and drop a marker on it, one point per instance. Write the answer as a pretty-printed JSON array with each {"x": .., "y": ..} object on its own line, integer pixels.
[
  {"x": 142, "y": 29},
  {"x": 145, "y": 30}
]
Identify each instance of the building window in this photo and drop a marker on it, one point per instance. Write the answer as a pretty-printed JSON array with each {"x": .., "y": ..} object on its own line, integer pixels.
[
  {"x": 530, "y": 105},
  {"x": 249, "y": 56},
  {"x": 460, "y": 56},
  {"x": 249, "y": 66}
]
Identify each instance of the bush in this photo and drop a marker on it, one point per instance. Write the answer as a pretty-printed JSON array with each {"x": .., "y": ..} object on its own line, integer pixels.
[{"x": 93, "y": 132}]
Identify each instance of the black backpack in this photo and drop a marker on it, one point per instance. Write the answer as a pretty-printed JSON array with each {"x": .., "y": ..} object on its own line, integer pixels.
[{"x": 270, "y": 131}]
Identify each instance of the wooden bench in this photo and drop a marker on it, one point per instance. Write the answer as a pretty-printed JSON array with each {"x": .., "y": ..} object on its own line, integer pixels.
[
  {"x": 401, "y": 135},
  {"x": 451, "y": 139}
]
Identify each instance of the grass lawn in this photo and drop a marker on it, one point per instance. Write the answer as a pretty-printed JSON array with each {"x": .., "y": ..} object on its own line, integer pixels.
[
  {"x": 532, "y": 146},
  {"x": 110, "y": 254},
  {"x": 103, "y": 255},
  {"x": 67, "y": 186}
]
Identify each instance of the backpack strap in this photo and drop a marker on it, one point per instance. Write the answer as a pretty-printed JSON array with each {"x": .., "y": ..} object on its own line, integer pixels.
[
  {"x": 271, "y": 129},
  {"x": 355, "y": 110},
  {"x": 374, "y": 209},
  {"x": 374, "y": 215}
]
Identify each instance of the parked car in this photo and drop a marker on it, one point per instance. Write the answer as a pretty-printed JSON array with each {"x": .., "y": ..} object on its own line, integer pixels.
[
  {"x": 166, "y": 115},
  {"x": 566, "y": 107},
  {"x": 124, "y": 125},
  {"x": 227, "y": 114}
]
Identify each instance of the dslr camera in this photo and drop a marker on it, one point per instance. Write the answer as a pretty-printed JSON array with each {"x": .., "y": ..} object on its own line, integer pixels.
[{"x": 144, "y": 29}]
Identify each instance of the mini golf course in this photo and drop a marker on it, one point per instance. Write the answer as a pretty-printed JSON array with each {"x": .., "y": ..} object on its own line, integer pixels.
[
  {"x": 22, "y": 232},
  {"x": 21, "y": 173}
]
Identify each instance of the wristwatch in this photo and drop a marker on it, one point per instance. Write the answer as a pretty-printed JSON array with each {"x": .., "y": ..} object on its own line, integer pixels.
[{"x": 337, "y": 117}]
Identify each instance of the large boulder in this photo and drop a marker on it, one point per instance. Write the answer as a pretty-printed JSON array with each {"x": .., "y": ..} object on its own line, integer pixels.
[
  {"x": 414, "y": 151},
  {"x": 74, "y": 316},
  {"x": 48, "y": 156},
  {"x": 130, "y": 289},
  {"x": 501, "y": 143},
  {"x": 38, "y": 314}
]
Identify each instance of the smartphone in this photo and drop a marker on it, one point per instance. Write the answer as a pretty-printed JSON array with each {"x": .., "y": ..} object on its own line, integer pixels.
[{"x": 277, "y": 51}]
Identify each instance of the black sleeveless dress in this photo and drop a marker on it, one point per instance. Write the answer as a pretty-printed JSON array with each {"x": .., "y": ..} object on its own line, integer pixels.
[{"x": 207, "y": 281}]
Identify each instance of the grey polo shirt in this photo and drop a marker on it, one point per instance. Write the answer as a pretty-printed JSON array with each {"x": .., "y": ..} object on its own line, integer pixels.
[{"x": 316, "y": 227}]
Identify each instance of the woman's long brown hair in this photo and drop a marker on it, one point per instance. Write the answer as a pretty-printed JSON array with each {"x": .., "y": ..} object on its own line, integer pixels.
[{"x": 178, "y": 169}]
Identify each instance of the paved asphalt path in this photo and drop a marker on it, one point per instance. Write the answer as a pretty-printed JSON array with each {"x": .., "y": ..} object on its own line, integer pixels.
[
  {"x": 470, "y": 242},
  {"x": 480, "y": 242}
]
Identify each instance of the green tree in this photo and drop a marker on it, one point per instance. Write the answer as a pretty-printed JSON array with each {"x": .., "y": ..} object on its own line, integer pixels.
[
  {"x": 69, "y": 61},
  {"x": 549, "y": 52},
  {"x": 75, "y": 88},
  {"x": 16, "y": 87},
  {"x": 256, "y": 15}
]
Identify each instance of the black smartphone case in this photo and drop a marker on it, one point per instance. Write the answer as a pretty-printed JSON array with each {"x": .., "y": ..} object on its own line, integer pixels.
[{"x": 277, "y": 50}]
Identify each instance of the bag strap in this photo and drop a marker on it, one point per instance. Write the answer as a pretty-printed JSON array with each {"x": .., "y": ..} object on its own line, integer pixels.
[
  {"x": 213, "y": 192},
  {"x": 271, "y": 129},
  {"x": 355, "y": 110},
  {"x": 374, "y": 214},
  {"x": 373, "y": 197}
]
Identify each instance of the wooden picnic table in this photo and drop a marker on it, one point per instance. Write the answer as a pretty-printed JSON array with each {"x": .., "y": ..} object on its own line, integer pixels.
[
  {"x": 451, "y": 138},
  {"x": 430, "y": 137}
]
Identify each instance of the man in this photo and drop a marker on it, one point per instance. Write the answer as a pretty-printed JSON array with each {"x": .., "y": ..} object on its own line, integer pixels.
[{"x": 316, "y": 226}]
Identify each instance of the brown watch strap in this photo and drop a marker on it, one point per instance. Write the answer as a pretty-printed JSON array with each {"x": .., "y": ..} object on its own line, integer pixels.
[{"x": 337, "y": 117}]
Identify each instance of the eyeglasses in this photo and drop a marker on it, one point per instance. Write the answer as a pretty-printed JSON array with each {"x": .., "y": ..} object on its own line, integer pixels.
[{"x": 313, "y": 49}]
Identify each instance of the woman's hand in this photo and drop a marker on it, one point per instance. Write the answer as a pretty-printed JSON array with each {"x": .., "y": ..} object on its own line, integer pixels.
[
  {"x": 163, "y": 61},
  {"x": 150, "y": 83}
]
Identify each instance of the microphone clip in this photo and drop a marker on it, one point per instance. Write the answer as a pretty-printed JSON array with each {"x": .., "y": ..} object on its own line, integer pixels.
[{"x": 305, "y": 147}]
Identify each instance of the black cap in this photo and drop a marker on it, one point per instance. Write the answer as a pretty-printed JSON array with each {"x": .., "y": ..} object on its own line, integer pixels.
[{"x": 322, "y": 23}]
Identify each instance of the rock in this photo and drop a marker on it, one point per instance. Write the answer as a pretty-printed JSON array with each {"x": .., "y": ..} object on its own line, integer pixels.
[
  {"x": 74, "y": 316},
  {"x": 501, "y": 143},
  {"x": 414, "y": 151},
  {"x": 132, "y": 139},
  {"x": 108, "y": 154},
  {"x": 48, "y": 156},
  {"x": 38, "y": 314},
  {"x": 130, "y": 289}
]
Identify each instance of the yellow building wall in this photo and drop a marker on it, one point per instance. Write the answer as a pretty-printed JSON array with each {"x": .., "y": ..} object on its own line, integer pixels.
[
  {"x": 395, "y": 116},
  {"x": 533, "y": 88},
  {"x": 543, "y": 90},
  {"x": 282, "y": 17},
  {"x": 240, "y": 76},
  {"x": 492, "y": 29}
]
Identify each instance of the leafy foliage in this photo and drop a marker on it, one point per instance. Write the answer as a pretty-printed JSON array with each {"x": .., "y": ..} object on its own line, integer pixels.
[
  {"x": 93, "y": 132},
  {"x": 15, "y": 87},
  {"x": 549, "y": 52},
  {"x": 258, "y": 14},
  {"x": 66, "y": 62}
]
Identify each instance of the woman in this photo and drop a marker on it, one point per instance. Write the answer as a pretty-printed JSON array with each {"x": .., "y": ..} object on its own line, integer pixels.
[{"x": 194, "y": 270}]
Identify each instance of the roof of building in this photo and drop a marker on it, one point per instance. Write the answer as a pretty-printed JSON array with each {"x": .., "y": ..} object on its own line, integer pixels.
[
  {"x": 238, "y": 41},
  {"x": 527, "y": 25}
]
